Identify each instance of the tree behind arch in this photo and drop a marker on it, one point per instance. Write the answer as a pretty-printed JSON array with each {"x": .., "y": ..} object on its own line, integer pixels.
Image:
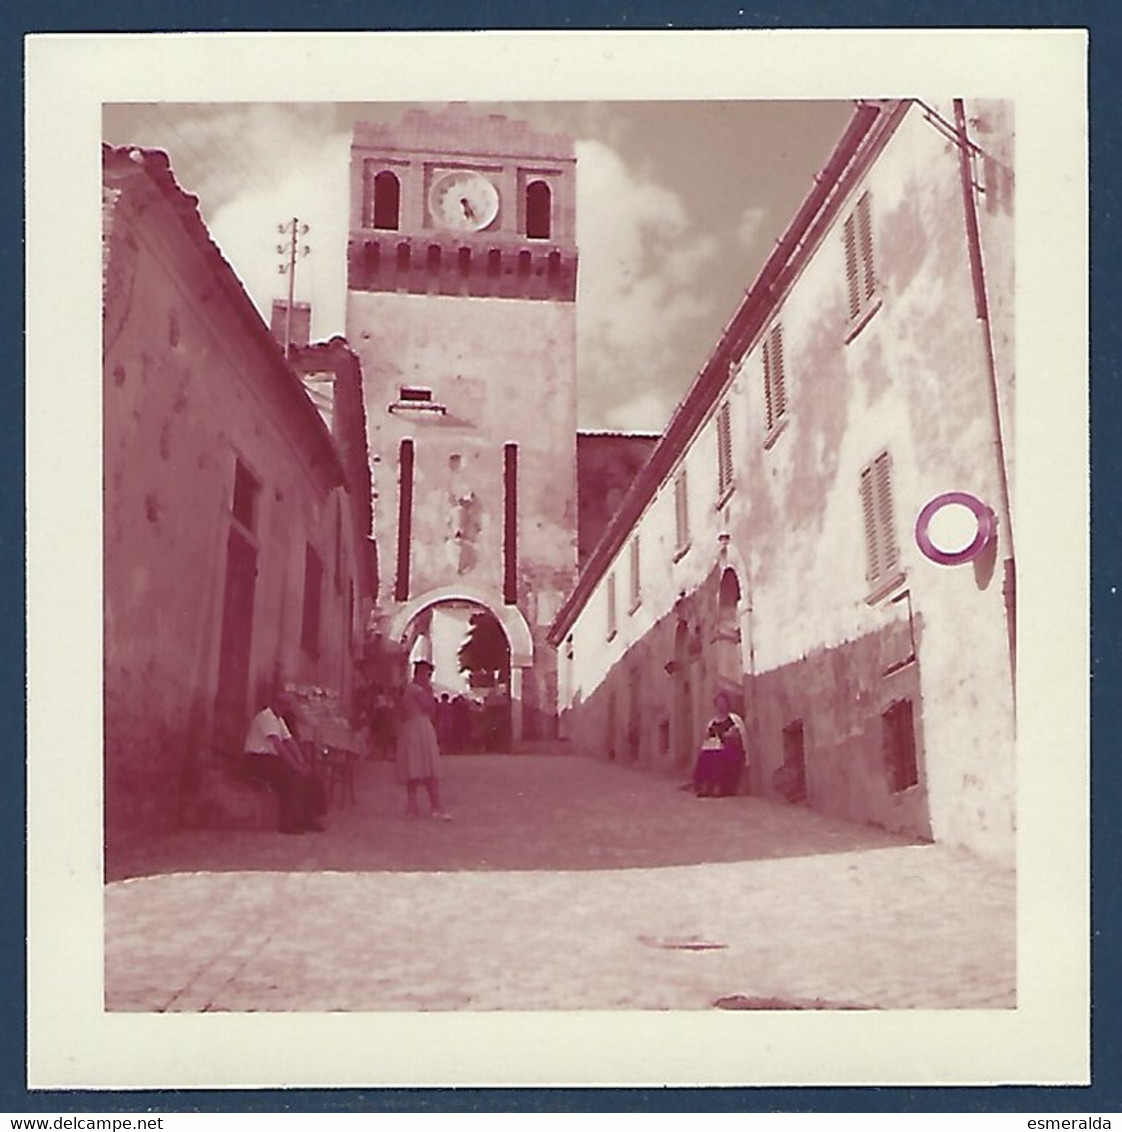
[{"x": 485, "y": 652}]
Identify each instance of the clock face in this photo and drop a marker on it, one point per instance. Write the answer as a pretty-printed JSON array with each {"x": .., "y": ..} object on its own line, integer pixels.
[{"x": 463, "y": 200}]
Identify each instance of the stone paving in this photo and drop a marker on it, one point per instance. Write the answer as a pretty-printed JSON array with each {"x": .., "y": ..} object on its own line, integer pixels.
[{"x": 561, "y": 883}]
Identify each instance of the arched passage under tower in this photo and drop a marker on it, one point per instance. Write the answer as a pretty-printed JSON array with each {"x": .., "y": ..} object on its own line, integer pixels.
[{"x": 440, "y": 621}]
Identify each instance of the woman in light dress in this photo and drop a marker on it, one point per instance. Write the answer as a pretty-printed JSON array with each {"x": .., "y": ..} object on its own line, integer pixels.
[{"x": 418, "y": 752}]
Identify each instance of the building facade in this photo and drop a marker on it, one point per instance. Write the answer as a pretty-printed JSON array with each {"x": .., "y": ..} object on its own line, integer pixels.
[
  {"x": 237, "y": 549},
  {"x": 776, "y": 544},
  {"x": 461, "y": 307}
]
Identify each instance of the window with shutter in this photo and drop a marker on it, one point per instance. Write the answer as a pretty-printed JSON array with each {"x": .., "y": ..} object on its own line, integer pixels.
[
  {"x": 860, "y": 267},
  {"x": 724, "y": 452},
  {"x": 681, "y": 513},
  {"x": 775, "y": 383},
  {"x": 865, "y": 248},
  {"x": 882, "y": 551},
  {"x": 636, "y": 591},
  {"x": 611, "y": 606},
  {"x": 889, "y": 551}
]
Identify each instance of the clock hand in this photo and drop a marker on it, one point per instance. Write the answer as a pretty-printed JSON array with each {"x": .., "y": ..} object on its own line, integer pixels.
[{"x": 469, "y": 212}]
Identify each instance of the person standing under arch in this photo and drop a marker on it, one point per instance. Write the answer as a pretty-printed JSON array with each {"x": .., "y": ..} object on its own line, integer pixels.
[{"x": 418, "y": 751}]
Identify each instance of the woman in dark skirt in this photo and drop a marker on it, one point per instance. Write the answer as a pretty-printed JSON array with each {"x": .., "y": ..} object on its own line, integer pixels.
[{"x": 724, "y": 752}]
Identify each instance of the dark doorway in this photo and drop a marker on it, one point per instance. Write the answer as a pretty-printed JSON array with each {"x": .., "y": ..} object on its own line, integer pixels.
[
  {"x": 900, "y": 746},
  {"x": 685, "y": 740},
  {"x": 791, "y": 779},
  {"x": 230, "y": 716}
]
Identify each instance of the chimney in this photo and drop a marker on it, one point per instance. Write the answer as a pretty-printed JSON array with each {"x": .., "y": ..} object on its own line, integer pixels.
[{"x": 301, "y": 328}]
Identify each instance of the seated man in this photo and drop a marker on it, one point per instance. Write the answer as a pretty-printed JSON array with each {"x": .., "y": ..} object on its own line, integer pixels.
[{"x": 272, "y": 755}]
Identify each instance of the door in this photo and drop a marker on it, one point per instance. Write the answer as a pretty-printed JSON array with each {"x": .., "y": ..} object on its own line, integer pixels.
[
  {"x": 685, "y": 741},
  {"x": 231, "y": 717}
]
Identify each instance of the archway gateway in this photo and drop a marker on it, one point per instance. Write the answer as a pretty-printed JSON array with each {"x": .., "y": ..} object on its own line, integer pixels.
[{"x": 509, "y": 618}]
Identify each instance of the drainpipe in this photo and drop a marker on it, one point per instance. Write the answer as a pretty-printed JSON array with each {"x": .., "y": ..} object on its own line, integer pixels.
[{"x": 981, "y": 310}]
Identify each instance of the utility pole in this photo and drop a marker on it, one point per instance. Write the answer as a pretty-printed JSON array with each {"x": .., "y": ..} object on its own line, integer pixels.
[{"x": 291, "y": 248}]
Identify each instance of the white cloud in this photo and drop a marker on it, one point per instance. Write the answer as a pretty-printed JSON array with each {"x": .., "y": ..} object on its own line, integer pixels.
[
  {"x": 645, "y": 264},
  {"x": 642, "y": 270},
  {"x": 748, "y": 229},
  {"x": 246, "y": 228},
  {"x": 648, "y": 411}
]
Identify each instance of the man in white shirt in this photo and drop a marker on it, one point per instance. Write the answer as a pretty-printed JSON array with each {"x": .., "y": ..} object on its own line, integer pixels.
[{"x": 272, "y": 755}]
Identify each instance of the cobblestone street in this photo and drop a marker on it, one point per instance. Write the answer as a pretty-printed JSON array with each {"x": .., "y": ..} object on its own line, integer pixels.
[{"x": 560, "y": 883}]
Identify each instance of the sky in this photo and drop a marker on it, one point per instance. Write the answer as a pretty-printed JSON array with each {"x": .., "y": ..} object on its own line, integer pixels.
[{"x": 678, "y": 206}]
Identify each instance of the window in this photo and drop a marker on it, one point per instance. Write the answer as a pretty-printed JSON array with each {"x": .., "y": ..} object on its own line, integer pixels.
[
  {"x": 385, "y": 208},
  {"x": 538, "y": 210},
  {"x": 775, "y": 383},
  {"x": 313, "y": 585},
  {"x": 636, "y": 593},
  {"x": 611, "y": 606},
  {"x": 415, "y": 393},
  {"x": 246, "y": 487},
  {"x": 790, "y": 780},
  {"x": 681, "y": 512},
  {"x": 900, "y": 746},
  {"x": 881, "y": 548},
  {"x": 859, "y": 269},
  {"x": 724, "y": 452},
  {"x": 416, "y": 399}
]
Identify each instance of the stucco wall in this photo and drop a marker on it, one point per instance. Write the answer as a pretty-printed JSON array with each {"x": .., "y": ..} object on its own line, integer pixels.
[
  {"x": 813, "y": 646},
  {"x": 187, "y": 393},
  {"x": 504, "y": 369}
]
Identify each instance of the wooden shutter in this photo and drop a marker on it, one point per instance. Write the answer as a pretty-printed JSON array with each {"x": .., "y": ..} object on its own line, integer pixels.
[
  {"x": 681, "y": 509},
  {"x": 865, "y": 243},
  {"x": 869, "y": 511},
  {"x": 882, "y": 549},
  {"x": 724, "y": 449},
  {"x": 775, "y": 383},
  {"x": 851, "y": 267},
  {"x": 889, "y": 551}
]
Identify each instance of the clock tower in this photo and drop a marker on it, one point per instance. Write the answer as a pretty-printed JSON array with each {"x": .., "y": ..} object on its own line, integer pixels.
[{"x": 462, "y": 267}]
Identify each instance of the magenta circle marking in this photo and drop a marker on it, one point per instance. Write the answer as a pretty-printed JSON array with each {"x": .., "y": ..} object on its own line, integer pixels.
[{"x": 983, "y": 516}]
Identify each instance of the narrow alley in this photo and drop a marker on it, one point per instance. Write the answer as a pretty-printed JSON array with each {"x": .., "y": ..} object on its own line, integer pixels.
[{"x": 561, "y": 883}]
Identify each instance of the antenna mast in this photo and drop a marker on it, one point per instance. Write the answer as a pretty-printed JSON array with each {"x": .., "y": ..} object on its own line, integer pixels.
[{"x": 291, "y": 247}]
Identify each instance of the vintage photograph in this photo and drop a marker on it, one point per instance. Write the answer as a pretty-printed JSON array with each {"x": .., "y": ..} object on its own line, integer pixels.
[
  {"x": 552, "y": 562},
  {"x": 597, "y": 512}
]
